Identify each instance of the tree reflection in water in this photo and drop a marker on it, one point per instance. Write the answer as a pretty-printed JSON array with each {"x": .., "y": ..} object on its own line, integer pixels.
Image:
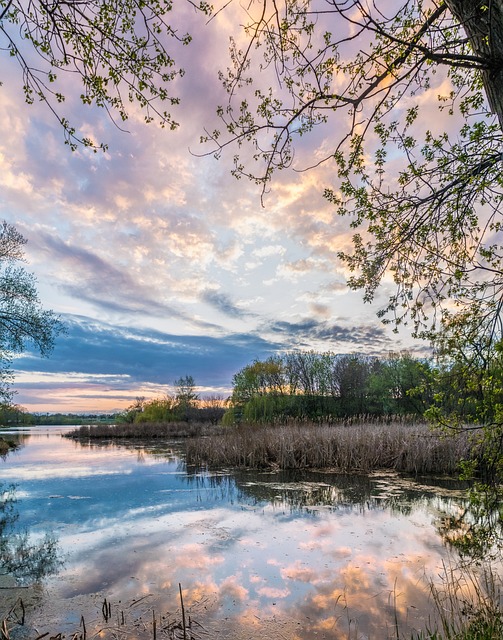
[{"x": 21, "y": 557}]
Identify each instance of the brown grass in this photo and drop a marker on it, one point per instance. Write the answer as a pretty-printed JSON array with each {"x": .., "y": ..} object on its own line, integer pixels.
[
  {"x": 144, "y": 431},
  {"x": 363, "y": 447}
]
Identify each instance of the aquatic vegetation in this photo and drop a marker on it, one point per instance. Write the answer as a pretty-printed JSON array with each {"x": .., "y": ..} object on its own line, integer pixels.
[
  {"x": 360, "y": 446},
  {"x": 142, "y": 431},
  {"x": 468, "y": 604}
]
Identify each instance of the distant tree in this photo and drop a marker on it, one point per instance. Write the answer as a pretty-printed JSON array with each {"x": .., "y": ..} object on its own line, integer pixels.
[
  {"x": 308, "y": 372},
  {"x": 185, "y": 397},
  {"x": 400, "y": 384},
  {"x": 15, "y": 414},
  {"x": 325, "y": 386},
  {"x": 158, "y": 410},
  {"x": 135, "y": 409},
  {"x": 212, "y": 408},
  {"x": 23, "y": 321}
]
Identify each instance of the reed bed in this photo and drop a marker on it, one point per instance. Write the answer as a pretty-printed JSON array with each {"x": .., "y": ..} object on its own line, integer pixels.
[
  {"x": 357, "y": 447},
  {"x": 143, "y": 431}
]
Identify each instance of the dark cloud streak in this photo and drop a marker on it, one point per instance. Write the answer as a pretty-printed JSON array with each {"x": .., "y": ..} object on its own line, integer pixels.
[{"x": 95, "y": 349}]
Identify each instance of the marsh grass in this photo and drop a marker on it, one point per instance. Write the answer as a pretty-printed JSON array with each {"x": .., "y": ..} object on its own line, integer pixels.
[
  {"x": 143, "y": 431},
  {"x": 361, "y": 447},
  {"x": 4, "y": 447},
  {"x": 468, "y": 604}
]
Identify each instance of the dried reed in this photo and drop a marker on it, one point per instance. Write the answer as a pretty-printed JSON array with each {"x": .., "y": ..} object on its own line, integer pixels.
[
  {"x": 357, "y": 447},
  {"x": 143, "y": 431}
]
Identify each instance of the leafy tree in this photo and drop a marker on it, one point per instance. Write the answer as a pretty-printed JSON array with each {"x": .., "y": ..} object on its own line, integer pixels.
[
  {"x": 122, "y": 53},
  {"x": 158, "y": 410},
  {"x": 186, "y": 397},
  {"x": 134, "y": 410},
  {"x": 351, "y": 375},
  {"x": 258, "y": 379},
  {"x": 23, "y": 321},
  {"x": 400, "y": 384},
  {"x": 469, "y": 391},
  {"x": 367, "y": 72}
]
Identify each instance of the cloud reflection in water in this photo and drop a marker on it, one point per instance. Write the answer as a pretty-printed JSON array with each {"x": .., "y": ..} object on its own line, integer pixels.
[{"x": 250, "y": 550}]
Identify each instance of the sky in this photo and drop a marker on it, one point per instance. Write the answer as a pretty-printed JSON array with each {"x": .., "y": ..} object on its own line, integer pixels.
[{"x": 159, "y": 262}]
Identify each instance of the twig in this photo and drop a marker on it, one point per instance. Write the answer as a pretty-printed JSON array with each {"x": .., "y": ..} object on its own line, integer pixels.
[{"x": 183, "y": 612}]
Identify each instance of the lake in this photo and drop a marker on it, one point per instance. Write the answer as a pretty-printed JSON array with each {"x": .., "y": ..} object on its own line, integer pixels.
[{"x": 257, "y": 554}]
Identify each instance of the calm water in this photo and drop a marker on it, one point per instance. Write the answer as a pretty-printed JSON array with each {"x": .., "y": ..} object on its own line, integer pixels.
[{"x": 257, "y": 554}]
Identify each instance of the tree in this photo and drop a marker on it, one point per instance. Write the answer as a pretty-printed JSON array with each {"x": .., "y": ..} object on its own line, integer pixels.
[
  {"x": 120, "y": 53},
  {"x": 23, "y": 321},
  {"x": 258, "y": 379},
  {"x": 185, "y": 397},
  {"x": 365, "y": 72},
  {"x": 400, "y": 384},
  {"x": 312, "y": 385}
]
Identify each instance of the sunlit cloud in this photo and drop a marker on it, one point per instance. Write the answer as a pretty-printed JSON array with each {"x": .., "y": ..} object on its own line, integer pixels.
[{"x": 155, "y": 237}]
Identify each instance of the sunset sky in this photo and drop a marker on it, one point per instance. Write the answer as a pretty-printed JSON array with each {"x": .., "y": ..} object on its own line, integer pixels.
[{"x": 160, "y": 263}]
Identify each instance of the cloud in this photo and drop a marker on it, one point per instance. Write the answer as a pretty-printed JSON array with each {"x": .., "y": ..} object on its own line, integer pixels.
[
  {"x": 86, "y": 276},
  {"x": 121, "y": 357},
  {"x": 369, "y": 337},
  {"x": 269, "y": 250},
  {"x": 222, "y": 303}
]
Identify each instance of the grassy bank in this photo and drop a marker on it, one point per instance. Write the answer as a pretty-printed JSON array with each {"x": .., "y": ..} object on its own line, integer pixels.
[{"x": 361, "y": 447}]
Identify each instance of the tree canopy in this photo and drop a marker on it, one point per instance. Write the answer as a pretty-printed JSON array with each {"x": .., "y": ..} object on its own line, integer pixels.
[
  {"x": 425, "y": 202},
  {"x": 328, "y": 386}
]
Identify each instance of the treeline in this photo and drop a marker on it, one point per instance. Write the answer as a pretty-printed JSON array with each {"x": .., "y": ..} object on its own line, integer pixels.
[
  {"x": 183, "y": 406},
  {"x": 312, "y": 385},
  {"x": 12, "y": 415}
]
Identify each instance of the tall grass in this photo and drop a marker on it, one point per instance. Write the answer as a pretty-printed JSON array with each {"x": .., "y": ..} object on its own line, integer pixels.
[
  {"x": 357, "y": 447},
  {"x": 143, "y": 431},
  {"x": 468, "y": 604}
]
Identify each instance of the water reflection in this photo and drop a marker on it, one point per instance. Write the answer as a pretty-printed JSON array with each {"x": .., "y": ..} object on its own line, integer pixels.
[
  {"x": 21, "y": 557},
  {"x": 257, "y": 554}
]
